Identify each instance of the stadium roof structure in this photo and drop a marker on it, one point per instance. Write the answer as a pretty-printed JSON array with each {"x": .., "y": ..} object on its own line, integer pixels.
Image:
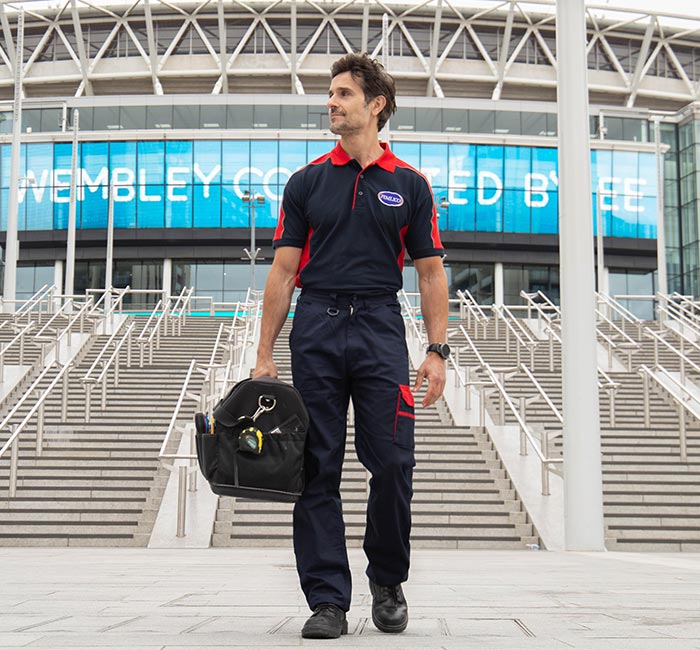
[{"x": 439, "y": 48}]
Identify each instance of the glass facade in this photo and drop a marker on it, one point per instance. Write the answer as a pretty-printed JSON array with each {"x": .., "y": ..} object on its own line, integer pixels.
[
  {"x": 312, "y": 117},
  {"x": 627, "y": 282},
  {"x": 224, "y": 281},
  {"x": 530, "y": 278},
  {"x": 31, "y": 277},
  {"x": 475, "y": 278},
  {"x": 689, "y": 203},
  {"x": 200, "y": 184}
]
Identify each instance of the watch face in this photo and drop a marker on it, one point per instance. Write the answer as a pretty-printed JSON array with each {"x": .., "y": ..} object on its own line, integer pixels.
[{"x": 440, "y": 348}]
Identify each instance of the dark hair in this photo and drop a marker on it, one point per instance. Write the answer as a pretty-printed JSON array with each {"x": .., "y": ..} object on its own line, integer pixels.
[{"x": 374, "y": 80}]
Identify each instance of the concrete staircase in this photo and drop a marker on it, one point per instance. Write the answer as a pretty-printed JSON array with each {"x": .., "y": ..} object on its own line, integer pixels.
[
  {"x": 462, "y": 496},
  {"x": 651, "y": 498},
  {"x": 100, "y": 483}
]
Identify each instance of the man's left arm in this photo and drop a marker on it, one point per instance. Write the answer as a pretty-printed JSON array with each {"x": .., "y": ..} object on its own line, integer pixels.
[{"x": 432, "y": 284}]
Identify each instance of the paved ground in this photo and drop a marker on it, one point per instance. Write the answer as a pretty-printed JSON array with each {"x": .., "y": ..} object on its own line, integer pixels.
[{"x": 236, "y": 598}]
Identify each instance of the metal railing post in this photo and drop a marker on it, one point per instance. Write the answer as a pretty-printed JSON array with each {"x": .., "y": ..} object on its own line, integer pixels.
[
  {"x": 128, "y": 349},
  {"x": 482, "y": 406},
  {"x": 40, "y": 429},
  {"x": 193, "y": 462},
  {"x": 105, "y": 380},
  {"x": 14, "y": 459},
  {"x": 501, "y": 401},
  {"x": 551, "y": 350},
  {"x": 64, "y": 396},
  {"x": 88, "y": 396},
  {"x": 544, "y": 445},
  {"x": 645, "y": 379},
  {"x": 181, "y": 500},
  {"x": 682, "y": 434},
  {"x": 523, "y": 438},
  {"x": 611, "y": 396},
  {"x": 467, "y": 387}
]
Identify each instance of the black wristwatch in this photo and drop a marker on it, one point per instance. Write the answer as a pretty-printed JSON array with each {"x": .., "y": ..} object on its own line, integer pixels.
[{"x": 441, "y": 348}]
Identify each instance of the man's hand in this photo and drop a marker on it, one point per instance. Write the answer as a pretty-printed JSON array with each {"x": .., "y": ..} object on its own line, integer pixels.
[
  {"x": 265, "y": 367},
  {"x": 432, "y": 369}
]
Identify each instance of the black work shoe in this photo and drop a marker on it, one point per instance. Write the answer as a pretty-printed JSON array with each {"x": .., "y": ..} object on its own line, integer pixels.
[
  {"x": 389, "y": 608},
  {"x": 327, "y": 622}
]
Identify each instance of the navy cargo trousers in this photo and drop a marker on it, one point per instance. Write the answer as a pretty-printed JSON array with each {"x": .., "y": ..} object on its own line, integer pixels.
[{"x": 347, "y": 347}]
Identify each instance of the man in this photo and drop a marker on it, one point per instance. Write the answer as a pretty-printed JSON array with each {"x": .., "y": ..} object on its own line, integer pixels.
[{"x": 345, "y": 221}]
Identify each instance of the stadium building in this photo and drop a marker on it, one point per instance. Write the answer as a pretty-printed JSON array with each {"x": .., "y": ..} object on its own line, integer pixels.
[{"x": 188, "y": 110}]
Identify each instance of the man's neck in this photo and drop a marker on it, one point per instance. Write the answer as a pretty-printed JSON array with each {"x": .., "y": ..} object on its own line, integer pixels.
[{"x": 363, "y": 148}]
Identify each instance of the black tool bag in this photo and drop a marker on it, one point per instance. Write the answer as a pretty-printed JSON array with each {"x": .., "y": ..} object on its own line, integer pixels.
[{"x": 254, "y": 445}]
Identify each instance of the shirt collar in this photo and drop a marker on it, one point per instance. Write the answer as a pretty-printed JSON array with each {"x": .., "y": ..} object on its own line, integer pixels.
[{"x": 386, "y": 161}]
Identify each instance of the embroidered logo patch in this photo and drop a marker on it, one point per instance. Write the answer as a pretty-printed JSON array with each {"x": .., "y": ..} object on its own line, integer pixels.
[{"x": 392, "y": 199}]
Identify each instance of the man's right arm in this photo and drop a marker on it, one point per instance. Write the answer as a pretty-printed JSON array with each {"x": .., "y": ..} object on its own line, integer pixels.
[{"x": 278, "y": 295}]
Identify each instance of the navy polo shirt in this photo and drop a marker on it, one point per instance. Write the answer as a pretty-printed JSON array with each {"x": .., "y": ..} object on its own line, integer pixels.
[{"x": 354, "y": 225}]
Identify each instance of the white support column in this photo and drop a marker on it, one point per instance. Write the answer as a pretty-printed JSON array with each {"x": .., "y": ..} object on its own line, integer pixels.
[
  {"x": 660, "y": 221},
  {"x": 57, "y": 275},
  {"x": 11, "y": 241},
  {"x": 583, "y": 483},
  {"x": 498, "y": 286},
  {"x": 72, "y": 209},
  {"x": 167, "y": 277}
]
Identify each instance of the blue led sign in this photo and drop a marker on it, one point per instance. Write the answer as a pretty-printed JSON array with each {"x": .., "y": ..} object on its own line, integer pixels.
[{"x": 200, "y": 184}]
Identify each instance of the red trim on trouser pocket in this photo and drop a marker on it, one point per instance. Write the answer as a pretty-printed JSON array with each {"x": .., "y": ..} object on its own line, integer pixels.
[{"x": 407, "y": 396}]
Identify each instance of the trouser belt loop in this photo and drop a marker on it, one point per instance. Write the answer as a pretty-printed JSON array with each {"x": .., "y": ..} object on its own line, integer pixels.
[{"x": 333, "y": 309}]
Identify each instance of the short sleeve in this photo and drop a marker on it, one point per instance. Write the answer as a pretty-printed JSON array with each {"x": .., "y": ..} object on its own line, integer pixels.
[
  {"x": 292, "y": 227},
  {"x": 423, "y": 236}
]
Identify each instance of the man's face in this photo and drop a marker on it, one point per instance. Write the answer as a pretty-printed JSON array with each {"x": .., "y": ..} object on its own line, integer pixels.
[{"x": 347, "y": 110}]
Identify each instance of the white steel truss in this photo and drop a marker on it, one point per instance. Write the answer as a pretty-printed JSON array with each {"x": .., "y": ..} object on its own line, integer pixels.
[{"x": 437, "y": 47}]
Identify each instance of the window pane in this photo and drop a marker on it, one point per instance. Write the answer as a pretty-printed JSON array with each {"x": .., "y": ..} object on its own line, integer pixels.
[
  {"x": 186, "y": 117},
  {"x": 212, "y": 117},
  {"x": 239, "y": 117},
  {"x": 508, "y": 122},
  {"x": 294, "y": 117},
  {"x": 428, "y": 119},
  {"x": 132, "y": 117},
  {"x": 266, "y": 117},
  {"x": 482, "y": 121},
  {"x": 159, "y": 117},
  {"x": 106, "y": 118}
]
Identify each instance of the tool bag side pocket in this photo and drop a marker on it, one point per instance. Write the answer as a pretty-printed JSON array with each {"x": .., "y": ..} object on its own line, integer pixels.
[{"x": 208, "y": 454}]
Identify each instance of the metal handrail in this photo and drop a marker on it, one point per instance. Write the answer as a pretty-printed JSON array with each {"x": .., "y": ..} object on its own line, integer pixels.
[
  {"x": 43, "y": 294},
  {"x": 530, "y": 343},
  {"x": 411, "y": 313},
  {"x": 168, "y": 460},
  {"x": 674, "y": 312},
  {"x": 683, "y": 406},
  {"x": 19, "y": 338},
  {"x": 181, "y": 309},
  {"x": 473, "y": 310},
  {"x": 13, "y": 441},
  {"x": 542, "y": 393},
  {"x": 98, "y": 359},
  {"x": 60, "y": 332},
  {"x": 627, "y": 345},
  {"x": 144, "y": 337},
  {"x": 112, "y": 362},
  {"x": 549, "y": 317},
  {"x": 688, "y": 303},
  {"x": 249, "y": 333},
  {"x": 684, "y": 359},
  {"x": 542, "y": 454},
  {"x": 626, "y": 316},
  {"x": 114, "y": 304}
]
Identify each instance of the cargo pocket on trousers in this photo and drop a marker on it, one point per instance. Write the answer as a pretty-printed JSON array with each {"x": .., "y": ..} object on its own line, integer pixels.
[{"x": 405, "y": 418}]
